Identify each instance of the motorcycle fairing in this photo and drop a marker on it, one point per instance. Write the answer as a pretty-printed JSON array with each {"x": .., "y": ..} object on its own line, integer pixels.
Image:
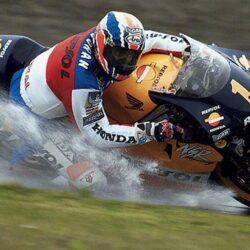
[
  {"x": 237, "y": 90},
  {"x": 191, "y": 157},
  {"x": 155, "y": 71},
  {"x": 207, "y": 81},
  {"x": 241, "y": 58},
  {"x": 128, "y": 101},
  {"x": 208, "y": 113}
]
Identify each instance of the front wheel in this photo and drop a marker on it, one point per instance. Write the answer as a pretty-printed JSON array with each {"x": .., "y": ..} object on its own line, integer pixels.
[{"x": 236, "y": 178}]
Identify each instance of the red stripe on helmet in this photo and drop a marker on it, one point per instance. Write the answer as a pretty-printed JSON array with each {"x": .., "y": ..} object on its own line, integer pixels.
[{"x": 100, "y": 40}]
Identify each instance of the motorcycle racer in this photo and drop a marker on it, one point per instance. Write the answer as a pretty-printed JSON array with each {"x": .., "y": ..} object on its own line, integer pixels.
[{"x": 69, "y": 79}]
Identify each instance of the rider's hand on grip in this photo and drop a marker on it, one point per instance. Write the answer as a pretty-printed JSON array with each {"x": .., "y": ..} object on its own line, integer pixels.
[{"x": 162, "y": 131}]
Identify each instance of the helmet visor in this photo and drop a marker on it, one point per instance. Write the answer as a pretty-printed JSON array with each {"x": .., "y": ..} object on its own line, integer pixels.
[{"x": 124, "y": 60}]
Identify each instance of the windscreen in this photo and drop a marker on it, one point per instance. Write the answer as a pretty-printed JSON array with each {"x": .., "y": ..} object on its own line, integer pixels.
[{"x": 204, "y": 73}]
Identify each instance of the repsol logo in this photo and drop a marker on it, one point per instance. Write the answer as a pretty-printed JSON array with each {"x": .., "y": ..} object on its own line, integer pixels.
[
  {"x": 67, "y": 58},
  {"x": 209, "y": 110},
  {"x": 158, "y": 78},
  {"x": 112, "y": 137}
]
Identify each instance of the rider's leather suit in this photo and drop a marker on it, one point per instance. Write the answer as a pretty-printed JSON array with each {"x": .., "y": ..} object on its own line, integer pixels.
[{"x": 66, "y": 80}]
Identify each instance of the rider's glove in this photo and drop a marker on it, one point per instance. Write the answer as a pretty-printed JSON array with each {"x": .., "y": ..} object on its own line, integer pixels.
[{"x": 162, "y": 131}]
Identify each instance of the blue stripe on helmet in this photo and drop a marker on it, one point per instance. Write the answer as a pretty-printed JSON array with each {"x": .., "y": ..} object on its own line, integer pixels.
[{"x": 113, "y": 28}]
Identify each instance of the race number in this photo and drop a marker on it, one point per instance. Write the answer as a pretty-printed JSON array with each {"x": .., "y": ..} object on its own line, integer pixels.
[
  {"x": 247, "y": 121},
  {"x": 238, "y": 88}
]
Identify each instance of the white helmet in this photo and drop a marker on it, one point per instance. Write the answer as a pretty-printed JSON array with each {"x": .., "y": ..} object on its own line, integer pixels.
[{"x": 119, "y": 43}]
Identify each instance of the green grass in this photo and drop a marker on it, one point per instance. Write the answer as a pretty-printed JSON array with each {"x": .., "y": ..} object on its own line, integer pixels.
[{"x": 35, "y": 219}]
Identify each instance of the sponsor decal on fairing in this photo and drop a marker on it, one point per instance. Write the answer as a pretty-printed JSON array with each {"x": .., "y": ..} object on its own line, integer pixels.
[
  {"x": 221, "y": 135},
  {"x": 146, "y": 72},
  {"x": 242, "y": 61},
  {"x": 236, "y": 60},
  {"x": 184, "y": 177},
  {"x": 217, "y": 128},
  {"x": 209, "y": 110},
  {"x": 134, "y": 102},
  {"x": 194, "y": 153},
  {"x": 214, "y": 119},
  {"x": 220, "y": 144},
  {"x": 158, "y": 78}
]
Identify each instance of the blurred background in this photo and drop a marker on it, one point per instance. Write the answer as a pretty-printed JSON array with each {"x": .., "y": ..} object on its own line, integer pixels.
[{"x": 224, "y": 22}]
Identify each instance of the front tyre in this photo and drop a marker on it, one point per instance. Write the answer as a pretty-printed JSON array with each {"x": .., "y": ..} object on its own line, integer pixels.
[{"x": 236, "y": 178}]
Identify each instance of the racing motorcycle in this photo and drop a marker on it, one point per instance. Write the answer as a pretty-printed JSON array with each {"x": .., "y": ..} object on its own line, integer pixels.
[{"x": 207, "y": 94}]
